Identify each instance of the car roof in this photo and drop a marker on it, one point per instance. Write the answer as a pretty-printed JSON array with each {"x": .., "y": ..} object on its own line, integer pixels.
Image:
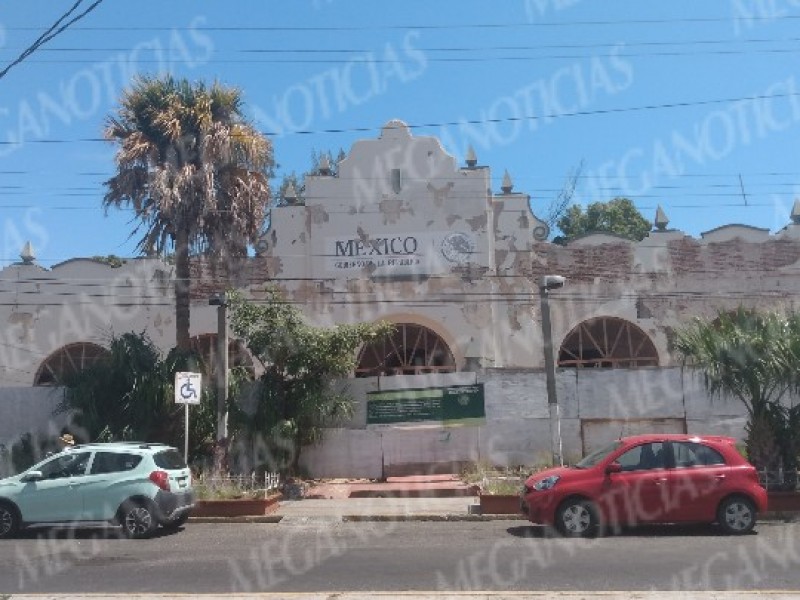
[
  {"x": 127, "y": 446},
  {"x": 678, "y": 437}
]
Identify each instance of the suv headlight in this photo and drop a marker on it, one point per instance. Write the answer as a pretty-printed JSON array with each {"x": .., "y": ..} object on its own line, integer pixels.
[{"x": 546, "y": 483}]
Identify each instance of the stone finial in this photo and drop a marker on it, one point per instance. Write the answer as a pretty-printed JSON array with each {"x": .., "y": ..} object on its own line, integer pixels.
[
  {"x": 27, "y": 254},
  {"x": 507, "y": 184},
  {"x": 471, "y": 159},
  {"x": 796, "y": 212},
  {"x": 324, "y": 165},
  {"x": 290, "y": 194},
  {"x": 661, "y": 220}
]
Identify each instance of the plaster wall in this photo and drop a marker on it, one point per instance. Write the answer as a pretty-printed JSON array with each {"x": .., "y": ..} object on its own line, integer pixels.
[
  {"x": 84, "y": 300},
  {"x": 27, "y": 409},
  {"x": 596, "y": 406}
]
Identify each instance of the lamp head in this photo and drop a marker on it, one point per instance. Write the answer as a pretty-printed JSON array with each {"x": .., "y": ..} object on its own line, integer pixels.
[
  {"x": 552, "y": 282},
  {"x": 218, "y": 300}
]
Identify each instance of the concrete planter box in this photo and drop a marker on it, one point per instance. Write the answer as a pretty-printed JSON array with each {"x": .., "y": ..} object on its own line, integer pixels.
[
  {"x": 779, "y": 502},
  {"x": 241, "y": 507},
  {"x": 499, "y": 504}
]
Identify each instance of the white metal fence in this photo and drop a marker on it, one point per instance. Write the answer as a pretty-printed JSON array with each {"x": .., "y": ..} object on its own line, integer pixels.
[
  {"x": 785, "y": 480},
  {"x": 232, "y": 484}
]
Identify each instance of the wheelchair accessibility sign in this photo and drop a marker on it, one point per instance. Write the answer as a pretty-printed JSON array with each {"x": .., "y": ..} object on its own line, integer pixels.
[{"x": 188, "y": 387}]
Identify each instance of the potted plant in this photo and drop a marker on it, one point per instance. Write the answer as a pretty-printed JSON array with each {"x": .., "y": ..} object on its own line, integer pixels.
[
  {"x": 499, "y": 495},
  {"x": 233, "y": 497}
]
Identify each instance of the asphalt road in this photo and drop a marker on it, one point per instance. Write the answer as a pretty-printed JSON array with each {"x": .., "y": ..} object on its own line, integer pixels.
[{"x": 307, "y": 555}]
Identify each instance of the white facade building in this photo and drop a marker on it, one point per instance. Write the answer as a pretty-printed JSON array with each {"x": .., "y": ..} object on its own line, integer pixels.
[{"x": 398, "y": 231}]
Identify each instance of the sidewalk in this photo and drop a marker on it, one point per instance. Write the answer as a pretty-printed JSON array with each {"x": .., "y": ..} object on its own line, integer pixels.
[
  {"x": 371, "y": 595},
  {"x": 420, "y": 497},
  {"x": 414, "y": 498}
]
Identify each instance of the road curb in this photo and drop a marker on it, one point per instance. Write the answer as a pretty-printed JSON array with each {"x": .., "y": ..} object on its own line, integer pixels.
[{"x": 785, "y": 517}]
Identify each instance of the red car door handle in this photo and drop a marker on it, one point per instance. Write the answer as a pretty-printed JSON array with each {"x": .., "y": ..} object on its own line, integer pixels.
[
  {"x": 719, "y": 477},
  {"x": 660, "y": 481}
]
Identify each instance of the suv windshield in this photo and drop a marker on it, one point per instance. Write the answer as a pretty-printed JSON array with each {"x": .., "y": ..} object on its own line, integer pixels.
[
  {"x": 598, "y": 455},
  {"x": 169, "y": 459}
]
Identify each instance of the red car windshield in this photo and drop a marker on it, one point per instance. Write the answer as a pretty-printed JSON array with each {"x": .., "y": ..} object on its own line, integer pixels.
[{"x": 597, "y": 456}]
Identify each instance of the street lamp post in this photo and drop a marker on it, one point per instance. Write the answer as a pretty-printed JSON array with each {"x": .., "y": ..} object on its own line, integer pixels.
[
  {"x": 547, "y": 283},
  {"x": 221, "y": 302}
]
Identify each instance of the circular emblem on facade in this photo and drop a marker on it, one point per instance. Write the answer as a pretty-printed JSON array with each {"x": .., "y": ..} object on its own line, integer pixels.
[{"x": 457, "y": 247}]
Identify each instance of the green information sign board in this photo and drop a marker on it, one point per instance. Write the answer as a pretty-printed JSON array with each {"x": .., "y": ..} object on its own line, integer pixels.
[{"x": 454, "y": 405}]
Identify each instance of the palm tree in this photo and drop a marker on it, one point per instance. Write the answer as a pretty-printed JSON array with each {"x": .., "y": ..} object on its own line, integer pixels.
[
  {"x": 129, "y": 395},
  {"x": 195, "y": 172},
  {"x": 747, "y": 355}
]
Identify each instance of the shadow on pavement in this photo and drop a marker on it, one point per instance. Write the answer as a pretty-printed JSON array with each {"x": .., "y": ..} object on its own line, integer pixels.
[
  {"x": 649, "y": 531},
  {"x": 67, "y": 532}
]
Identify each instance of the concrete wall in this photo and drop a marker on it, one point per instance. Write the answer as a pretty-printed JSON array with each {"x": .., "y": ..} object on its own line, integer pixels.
[
  {"x": 596, "y": 406},
  {"x": 27, "y": 410}
]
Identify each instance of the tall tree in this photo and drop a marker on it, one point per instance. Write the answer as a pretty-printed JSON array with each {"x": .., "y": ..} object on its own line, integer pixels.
[
  {"x": 618, "y": 216},
  {"x": 300, "y": 363},
  {"x": 194, "y": 171}
]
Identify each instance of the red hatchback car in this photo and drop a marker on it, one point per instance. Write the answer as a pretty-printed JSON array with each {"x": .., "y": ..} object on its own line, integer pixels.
[{"x": 667, "y": 478}]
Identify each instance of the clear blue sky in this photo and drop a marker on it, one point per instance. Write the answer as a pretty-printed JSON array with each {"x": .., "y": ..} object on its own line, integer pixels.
[{"x": 691, "y": 105}]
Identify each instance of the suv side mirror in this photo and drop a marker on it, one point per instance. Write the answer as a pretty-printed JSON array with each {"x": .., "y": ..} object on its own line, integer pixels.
[
  {"x": 32, "y": 476},
  {"x": 614, "y": 467}
]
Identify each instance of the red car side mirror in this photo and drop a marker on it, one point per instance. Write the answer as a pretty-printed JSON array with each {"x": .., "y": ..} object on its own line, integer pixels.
[{"x": 614, "y": 467}]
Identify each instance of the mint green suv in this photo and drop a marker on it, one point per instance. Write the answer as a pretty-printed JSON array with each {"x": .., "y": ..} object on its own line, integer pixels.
[{"x": 133, "y": 484}]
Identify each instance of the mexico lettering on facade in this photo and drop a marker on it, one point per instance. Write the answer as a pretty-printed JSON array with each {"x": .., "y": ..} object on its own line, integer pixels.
[{"x": 427, "y": 252}]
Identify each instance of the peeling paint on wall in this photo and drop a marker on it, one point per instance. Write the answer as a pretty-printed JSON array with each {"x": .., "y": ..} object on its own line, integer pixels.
[
  {"x": 451, "y": 219},
  {"x": 477, "y": 315},
  {"x": 317, "y": 215},
  {"x": 439, "y": 194},
  {"x": 478, "y": 223},
  {"x": 24, "y": 321},
  {"x": 392, "y": 209}
]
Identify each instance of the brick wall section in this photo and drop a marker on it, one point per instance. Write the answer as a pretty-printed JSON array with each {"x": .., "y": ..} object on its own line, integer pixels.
[
  {"x": 726, "y": 259},
  {"x": 584, "y": 263},
  {"x": 252, "y": 274}
]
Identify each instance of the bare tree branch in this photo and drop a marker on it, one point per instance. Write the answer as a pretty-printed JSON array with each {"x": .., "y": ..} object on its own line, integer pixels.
[
  {"x": 561, "y": 202},
  {"x": 52, "y": 32}
]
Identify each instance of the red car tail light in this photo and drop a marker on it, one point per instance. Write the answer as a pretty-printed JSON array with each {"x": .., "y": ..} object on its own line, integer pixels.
[{"x": 161, "y": 479}]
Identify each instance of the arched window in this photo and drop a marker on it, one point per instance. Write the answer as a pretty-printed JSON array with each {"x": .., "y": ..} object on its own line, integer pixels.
[
  {"x": 607, "y": 342},
  {"x": 68, "y": 360},
  {"x": 205, "y": 345},
  {"x": 410, "y": 350}
]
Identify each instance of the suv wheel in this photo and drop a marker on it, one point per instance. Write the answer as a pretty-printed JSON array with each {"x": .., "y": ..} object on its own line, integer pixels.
[
  {"x": 736, "y": 515},
  {"x": 9, "y": 521},
  {"x": 138, "y": 520}
]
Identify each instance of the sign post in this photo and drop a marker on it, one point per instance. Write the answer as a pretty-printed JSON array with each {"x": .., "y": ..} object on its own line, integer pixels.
[{"x": 188, "y": 388}]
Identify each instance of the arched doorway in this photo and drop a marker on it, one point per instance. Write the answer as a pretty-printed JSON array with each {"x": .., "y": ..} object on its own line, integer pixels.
[
  {"x": 411, "y": 350},
  {"x": 607, "y": 342},
  {"x": 68, "y": 360}
]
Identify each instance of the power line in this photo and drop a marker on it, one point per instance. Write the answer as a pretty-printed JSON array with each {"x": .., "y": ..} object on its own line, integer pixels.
[
  {"x": 63, "y": 22},
  {"x": 422, "y": 26},
  {"x": 578, "y": 113},
  {"x": 450, "y": 59},
  {"x": 592, "y": 46}
]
